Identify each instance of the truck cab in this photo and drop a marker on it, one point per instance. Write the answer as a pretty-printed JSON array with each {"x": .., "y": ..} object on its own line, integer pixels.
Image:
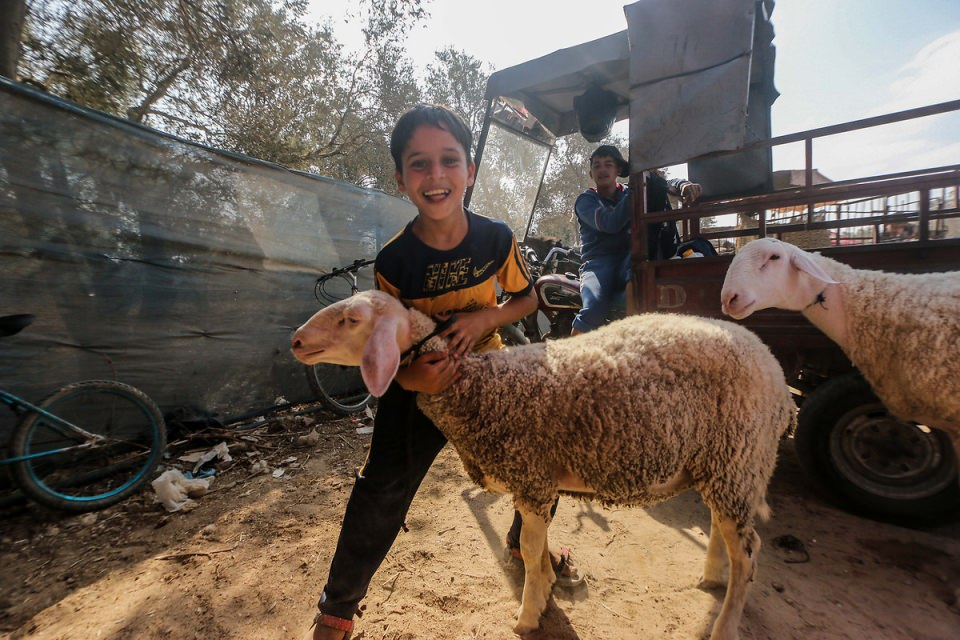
[{"x": 848, "y": 444}]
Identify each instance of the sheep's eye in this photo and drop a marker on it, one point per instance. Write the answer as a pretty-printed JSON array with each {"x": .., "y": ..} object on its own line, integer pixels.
[
  {"x": 775, "y": 256},
  {"x": 353, "y": 320}
]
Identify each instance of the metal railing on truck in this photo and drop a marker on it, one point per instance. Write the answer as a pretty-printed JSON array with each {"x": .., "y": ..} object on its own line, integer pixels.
[
  {"x": 878, "y": 202},
  {"x": 907, "y": 221},
  {"x": 834, "y": 205}
]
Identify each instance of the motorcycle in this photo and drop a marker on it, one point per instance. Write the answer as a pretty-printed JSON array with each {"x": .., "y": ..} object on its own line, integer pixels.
[{"x": 557, "y": 285}]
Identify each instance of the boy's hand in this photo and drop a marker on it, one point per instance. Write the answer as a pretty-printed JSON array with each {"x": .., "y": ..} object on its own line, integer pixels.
[
  {"x": 430, "y": 372},
  {"x": 690, "y": 192},
  {"x": 464, "y": 332}
]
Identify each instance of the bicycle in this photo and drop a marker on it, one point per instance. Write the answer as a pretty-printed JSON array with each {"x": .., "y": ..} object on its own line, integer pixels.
[
  {"x": 339, "y": 388},
  {"x": 86, "y": 446}
]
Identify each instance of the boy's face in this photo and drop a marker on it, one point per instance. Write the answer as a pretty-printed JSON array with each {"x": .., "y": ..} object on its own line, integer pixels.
[
  {"x": 603, "y": 172},
  {"x": 434, "y": 172}
]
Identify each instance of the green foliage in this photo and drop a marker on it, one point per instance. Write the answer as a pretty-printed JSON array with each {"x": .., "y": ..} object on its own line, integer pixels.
[
  {"x": 249, "y": 76},
  {"x": 459, "y": 80},
  {"x": 254, "y": 77}
]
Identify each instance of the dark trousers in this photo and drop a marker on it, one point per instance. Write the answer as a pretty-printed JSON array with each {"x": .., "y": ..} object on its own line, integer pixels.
[{"x": 405, "y": 443}]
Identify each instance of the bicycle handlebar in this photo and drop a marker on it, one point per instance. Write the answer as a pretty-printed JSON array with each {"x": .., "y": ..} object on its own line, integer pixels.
[
  {"x": 354, "y": 266},
  {"x": 562, "y": 251}
]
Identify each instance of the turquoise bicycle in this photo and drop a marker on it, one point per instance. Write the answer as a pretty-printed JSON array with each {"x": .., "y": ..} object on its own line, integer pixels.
[{"x": 86, "y": 446}]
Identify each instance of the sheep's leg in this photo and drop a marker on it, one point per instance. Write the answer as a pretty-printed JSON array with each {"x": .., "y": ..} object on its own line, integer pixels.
[
  {"x": 742, "y": 551},
  {"x": 714, "y": 570},
  {"x": 538, "y": 573}
]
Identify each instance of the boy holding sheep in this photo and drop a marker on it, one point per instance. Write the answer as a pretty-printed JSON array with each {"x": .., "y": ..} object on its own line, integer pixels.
[{"x": 444, "y": 263}]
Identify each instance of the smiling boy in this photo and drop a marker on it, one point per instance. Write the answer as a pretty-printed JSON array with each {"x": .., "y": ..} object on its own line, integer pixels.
[{"x": 445, "y": 263}]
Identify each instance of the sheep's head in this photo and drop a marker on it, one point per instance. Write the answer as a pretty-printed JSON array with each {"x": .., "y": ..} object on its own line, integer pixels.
[
  {"x": 364, "y": 330},
  {"x": 768, "y": 273}
]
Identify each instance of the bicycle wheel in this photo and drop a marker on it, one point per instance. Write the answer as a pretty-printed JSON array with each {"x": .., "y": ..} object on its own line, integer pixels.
[
  {"x": 71, "y": 471},
  {"x": 339, "y": 388}
]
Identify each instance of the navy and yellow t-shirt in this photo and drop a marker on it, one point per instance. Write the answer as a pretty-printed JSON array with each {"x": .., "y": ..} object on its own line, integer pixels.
[{"x": 437, "y": 282}]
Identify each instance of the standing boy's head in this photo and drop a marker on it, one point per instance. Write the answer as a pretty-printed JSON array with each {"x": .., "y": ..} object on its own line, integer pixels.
[
  {"x": 430, "y": 146},
  {"x": 611, "y": 153},
  {"x": 606, "y": 165},
  {"x": 433, "y": 115}
]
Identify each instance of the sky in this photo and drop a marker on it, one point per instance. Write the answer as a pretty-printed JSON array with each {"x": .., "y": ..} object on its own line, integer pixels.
[{"x": 837, "y": 60}]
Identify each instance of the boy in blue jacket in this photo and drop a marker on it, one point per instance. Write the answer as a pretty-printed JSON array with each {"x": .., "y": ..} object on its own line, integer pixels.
[{"x": 604, "y": 213}]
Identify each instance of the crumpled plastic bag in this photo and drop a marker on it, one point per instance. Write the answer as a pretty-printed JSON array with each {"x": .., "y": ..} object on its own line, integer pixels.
[
  {"x": 174, "y": 491},
  {"x": 220, "y": 452}
]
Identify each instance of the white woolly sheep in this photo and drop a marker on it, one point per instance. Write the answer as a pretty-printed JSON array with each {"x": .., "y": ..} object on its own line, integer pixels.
[
  {"x": 900, "y": 330},
  {"x": 664, "y": 403}
]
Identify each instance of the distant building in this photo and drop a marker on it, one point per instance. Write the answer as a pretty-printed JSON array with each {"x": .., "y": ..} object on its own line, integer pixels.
[
  {"x": 786, "y": 178},
  {"x": 809, "y": 239}
]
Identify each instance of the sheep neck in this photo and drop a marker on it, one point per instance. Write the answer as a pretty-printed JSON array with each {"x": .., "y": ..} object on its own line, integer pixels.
[
  {"x": 417, "y": 346},
  {"x": 828, "y": 310},
  {"x": 423, "y": 334}
]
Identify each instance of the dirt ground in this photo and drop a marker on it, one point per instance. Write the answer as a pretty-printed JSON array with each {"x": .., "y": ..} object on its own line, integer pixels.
[{"x": 248, "y": 561}]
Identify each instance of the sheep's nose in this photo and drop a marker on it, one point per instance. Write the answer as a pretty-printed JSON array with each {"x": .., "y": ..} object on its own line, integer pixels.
[
  {"x": 728, "y": 302},
  {"x": 297, "y": 341}
]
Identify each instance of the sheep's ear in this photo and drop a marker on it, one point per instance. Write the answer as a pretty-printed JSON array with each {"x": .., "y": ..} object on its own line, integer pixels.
[
  {"x": 803, "y": 261},
  {"x": 381, "y": 356}
]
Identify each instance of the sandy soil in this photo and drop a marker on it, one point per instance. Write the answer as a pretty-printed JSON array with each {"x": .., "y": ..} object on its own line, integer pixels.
[{"x": 249, "y": 560}]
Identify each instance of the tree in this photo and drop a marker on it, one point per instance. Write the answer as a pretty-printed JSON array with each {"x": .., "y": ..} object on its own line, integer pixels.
[
  {"x": 244, "y": 75},
  {"x": 459, "y": 81},
  {"x": 376, "y": 85},
  {"x": 147, "y": 60},
  {"x": 12, "y": 13},
  {"x": 250, "y": 76}
]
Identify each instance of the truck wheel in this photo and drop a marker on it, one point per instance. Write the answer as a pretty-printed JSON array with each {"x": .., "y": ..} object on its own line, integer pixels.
[{"x": 858, "y": 454}]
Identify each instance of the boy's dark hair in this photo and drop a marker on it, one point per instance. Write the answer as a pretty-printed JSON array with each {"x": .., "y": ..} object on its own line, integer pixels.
[
  {"x": 434, "y": 115},
  {"x": 610, "y": 151}
]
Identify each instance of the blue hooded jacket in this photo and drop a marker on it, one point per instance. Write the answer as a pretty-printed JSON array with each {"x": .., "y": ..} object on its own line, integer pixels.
[{"x": 605, "y": 224}]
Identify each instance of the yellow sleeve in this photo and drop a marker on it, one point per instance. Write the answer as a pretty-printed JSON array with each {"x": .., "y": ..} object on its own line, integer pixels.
[{"x": 513, "y": 275}]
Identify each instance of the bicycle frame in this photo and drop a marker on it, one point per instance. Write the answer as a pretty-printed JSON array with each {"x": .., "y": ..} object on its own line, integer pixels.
[
  {"x": 20, "y": 407},
  {"x": 63, "y": 466}
]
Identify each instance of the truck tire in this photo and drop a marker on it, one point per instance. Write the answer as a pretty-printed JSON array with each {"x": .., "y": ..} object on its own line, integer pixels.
[{"x": 866, "y": 460}]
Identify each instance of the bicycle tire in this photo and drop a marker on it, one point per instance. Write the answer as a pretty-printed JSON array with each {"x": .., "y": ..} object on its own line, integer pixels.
[
  {"x": 339, "y": 388},
  {"x": 100, "y": 475}
]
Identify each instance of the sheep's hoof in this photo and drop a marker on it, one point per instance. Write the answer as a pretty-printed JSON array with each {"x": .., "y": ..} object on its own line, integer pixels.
[
  {"x": 522, "y": 628},
  {"x": 709, "y": 584},
  {"x": 527, "y": 620}
]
